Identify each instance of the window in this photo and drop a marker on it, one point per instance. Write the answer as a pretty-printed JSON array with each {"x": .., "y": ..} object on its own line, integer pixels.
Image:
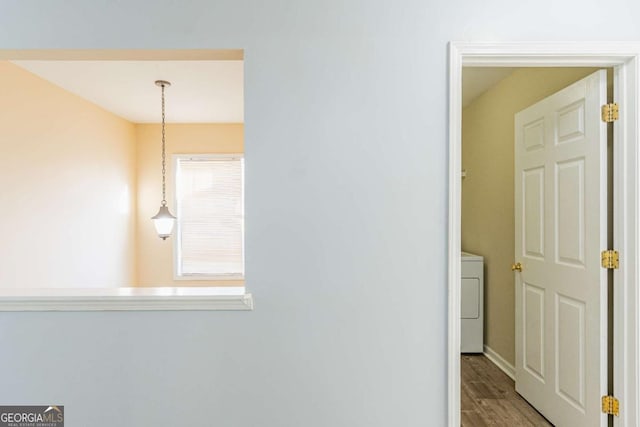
[{"x": 210, "y": 211}]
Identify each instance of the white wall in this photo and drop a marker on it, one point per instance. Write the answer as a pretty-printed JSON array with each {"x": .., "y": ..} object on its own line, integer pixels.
[{"x": 346, "y": 153}]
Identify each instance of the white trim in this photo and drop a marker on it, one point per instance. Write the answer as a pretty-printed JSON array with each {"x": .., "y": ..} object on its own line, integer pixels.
[
  {"x": 210, "y": 277},
  {"x": 208, "y": 156},
  {"x": 545, "y": 54},
  {"x": 455, "y": 212},
  {"x": 125, "y": 299},
  {"x": 626, "y": 241},
  {"x": 625, "y": 58},
  {"x": 500, "y": 362}
]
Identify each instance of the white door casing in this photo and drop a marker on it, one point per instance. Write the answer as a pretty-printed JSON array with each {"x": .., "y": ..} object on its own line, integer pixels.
[
  {"x": 561, "y": 227},
  {"x": 624, "y": 58}
]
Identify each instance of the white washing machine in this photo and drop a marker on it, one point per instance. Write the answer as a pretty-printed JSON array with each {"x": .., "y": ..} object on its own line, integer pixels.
[{"x": 472, "y": 304}]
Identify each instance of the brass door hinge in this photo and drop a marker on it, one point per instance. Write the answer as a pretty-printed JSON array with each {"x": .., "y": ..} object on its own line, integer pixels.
[
  {"x": 610, "y": 112},
  {"x": 610, "y": 259},
  {"x": 610, "y": 406}
]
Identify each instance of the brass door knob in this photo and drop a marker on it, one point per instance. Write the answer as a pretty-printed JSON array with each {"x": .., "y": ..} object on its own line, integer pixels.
[{"x": 516, "y": 267}]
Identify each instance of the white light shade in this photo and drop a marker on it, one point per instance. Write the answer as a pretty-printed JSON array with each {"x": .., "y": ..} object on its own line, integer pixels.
[{"x": 164, "y": 222}]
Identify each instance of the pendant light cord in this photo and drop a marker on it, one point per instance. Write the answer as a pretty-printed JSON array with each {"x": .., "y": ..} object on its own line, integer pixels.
[{"x": 164, "y": 198}]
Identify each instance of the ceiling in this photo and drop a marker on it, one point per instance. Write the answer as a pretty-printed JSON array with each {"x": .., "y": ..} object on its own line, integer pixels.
[
  {"x": 201, "y": 91},
  {"x": 477, "y": 80}
]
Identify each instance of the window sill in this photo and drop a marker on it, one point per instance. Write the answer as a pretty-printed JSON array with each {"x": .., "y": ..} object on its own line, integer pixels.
[{"x": 126, "y": 299}]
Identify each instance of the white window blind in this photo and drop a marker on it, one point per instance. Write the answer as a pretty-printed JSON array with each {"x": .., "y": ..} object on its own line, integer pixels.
[{"x": 209, "y": 196}]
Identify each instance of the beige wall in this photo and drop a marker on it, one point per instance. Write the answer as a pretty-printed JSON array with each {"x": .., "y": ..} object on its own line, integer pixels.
[
  {"x": 155, "y": 256},
  {"x": 488, "y": 189},
  {"x": 68, "y": 186},
  {"x": 80, "y": 186}
]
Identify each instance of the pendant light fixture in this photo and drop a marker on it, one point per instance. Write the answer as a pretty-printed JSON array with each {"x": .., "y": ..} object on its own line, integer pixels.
[{"x": 163, "y": 220}]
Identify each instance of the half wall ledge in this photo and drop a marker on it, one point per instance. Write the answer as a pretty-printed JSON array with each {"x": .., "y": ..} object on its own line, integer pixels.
[{"x": 126, "y": 299}]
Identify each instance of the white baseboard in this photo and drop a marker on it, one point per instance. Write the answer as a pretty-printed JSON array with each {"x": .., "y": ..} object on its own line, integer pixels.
[{"x": 499, "y": 361}]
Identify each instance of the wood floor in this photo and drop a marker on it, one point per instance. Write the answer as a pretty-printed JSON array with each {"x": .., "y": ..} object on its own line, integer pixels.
[{"x": 489, "y": 398}]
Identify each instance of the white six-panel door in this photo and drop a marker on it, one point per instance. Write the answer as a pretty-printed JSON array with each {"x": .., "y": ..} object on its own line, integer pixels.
[{"x": 561, "y": 225}]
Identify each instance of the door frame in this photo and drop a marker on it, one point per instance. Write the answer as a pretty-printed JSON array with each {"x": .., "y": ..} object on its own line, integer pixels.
[{"x": 625, "y": 59}]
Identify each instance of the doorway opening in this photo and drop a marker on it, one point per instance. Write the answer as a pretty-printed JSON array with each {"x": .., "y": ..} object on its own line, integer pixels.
[
  {"x": 625, "y": 238},
  {"x": 491, "y": 98}
]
